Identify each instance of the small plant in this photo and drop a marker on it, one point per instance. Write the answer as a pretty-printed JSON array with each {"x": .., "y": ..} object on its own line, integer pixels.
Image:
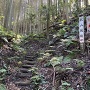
[
  {"x": 2, "y": 73},
  {"x": 6, "y": 36},
  {"x": 63, "y": 21},
  {"x": 67, "y": 59},
  {"x": 71, "y": 54},
  {"x": 69, "y": 42},
  {"x": 44, "y": 57},
  {"x": 55, "y": 61},
  {"x": 61, "y": 32},
  {"x": 4, "y": 32},
  {"x": 65, "y": 86},
  {"x": 87, "y": 85},
  {"x": 79, "y": 63},
  {"x": 2, "y": 87},
  {"x": 36, "y": 80},
  {"x": 47, "y": 54},
  {"x": 34, "y": 70},
  {"x": 48, "y": 64}
]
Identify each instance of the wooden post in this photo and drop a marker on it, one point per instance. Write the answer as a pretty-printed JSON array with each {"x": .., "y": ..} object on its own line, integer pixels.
[
  {"x": 88, "y": 24},
  {"x": 81, "y": 33},
  {"x": 88, "y": 33}
]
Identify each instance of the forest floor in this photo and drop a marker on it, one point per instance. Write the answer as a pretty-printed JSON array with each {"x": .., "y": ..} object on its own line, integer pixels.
[{"x": 56, "y": 64}]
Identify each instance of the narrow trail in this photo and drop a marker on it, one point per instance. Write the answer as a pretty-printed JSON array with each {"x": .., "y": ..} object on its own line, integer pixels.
[{"x": 21, "y": 77}]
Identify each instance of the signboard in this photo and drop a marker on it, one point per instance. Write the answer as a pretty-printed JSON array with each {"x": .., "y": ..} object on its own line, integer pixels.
[
  {"x": 81, "y": 29},
  {"x": 88, "y": 24}
]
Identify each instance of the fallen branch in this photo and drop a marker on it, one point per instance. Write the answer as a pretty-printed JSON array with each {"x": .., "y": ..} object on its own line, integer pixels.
[{"x": 52, "y": 25}]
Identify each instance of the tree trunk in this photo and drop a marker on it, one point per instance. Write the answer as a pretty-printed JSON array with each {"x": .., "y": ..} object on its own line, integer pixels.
[
  {"x": 48, "y": 18},
  {"x": 10, "y": 15},
  {"x": 7, "y": 14},
  {"x": 85, "y": 3}
]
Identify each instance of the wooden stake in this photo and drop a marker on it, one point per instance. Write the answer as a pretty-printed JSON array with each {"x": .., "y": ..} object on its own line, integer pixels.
[{"x": 82, "y": 47}]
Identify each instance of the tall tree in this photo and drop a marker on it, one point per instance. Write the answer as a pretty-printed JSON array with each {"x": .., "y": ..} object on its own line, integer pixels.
[
  {"x": 10, "y": 14},
  {"x": 7, "y": 11},
  {"x": 86, "y": 2},
  {"x": 66, "y": 10},
  {"x": 48, "y": 18}
]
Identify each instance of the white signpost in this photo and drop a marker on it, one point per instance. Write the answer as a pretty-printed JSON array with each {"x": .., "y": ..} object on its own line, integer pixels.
[
  {"x": 81, "y": 33},
  {"x": 88, "y": 24}
]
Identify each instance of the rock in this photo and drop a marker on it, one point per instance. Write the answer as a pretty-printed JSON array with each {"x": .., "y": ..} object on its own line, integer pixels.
[{"x": 51, "y": 43}]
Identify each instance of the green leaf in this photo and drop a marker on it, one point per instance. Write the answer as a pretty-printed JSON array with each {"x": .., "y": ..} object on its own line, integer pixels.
[
  {"x": 65, "y": 83},
  {"x": 69, "y": 42},
  {"x": 54, "y": 61},
  {"x": 35, "y": 78},
  {"x": 67, "y": 59},
  {"x": 2, "y": 87},
  {"x": 2, "y": 70},
  {"x": 60, "y": 58},
  {"x": 70, "y": 88},
  {"x": 80, "y": 63},
  {"x": 71, "y": 54},
  {"x": 47, "y": 64},
  {"x": 88, "y": 84},
  {"x": 61, "y": 32},
  {"x": 1, "y": 78},
  {"x": 60, "y": 69}
]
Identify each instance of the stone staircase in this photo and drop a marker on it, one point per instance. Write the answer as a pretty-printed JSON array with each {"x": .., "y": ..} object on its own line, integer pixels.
[{"x": 24, "y": 74}]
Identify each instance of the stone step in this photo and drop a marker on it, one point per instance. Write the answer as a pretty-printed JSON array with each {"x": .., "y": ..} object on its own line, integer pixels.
[
  {"x": 31, "y": 57},
  {"x": 23, "y": 83},
  {"x": 27, "y": 66},
  {"x": 41, "y": 54},
  {"x": 24, "y": 75},
  {"x": 50, "y": 51},
  {"x": 29, "y": 62},
  {"x": 24, "y": 70}
]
